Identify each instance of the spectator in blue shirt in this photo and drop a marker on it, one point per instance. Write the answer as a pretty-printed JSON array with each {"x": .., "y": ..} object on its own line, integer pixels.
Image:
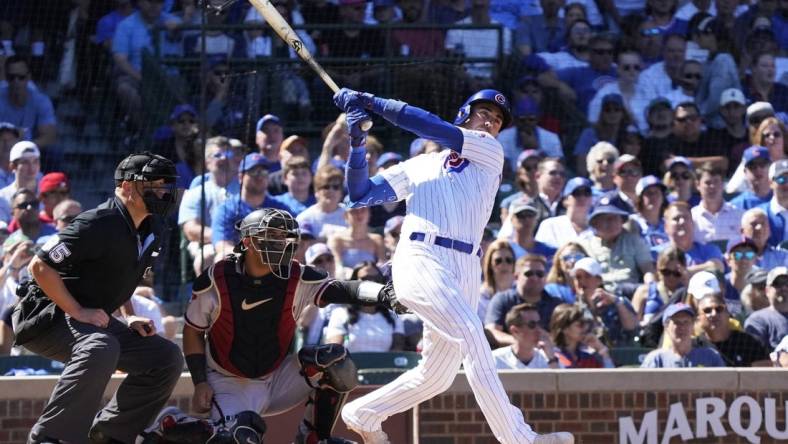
[
  {"x": 26, "y": 107},
  {"x": 755, "y": 227},
  {"x": 587, "y": 80},
  {"x": 9, "y": 136},
  {"x": 298, "y": 178},
  {"x": 132, "y": 38},
  {"x": 679, "y": 320},
  {"x": 777, "y": 208},
  {"x": 770, "y": 325},
  {"x": 108, "y": 24},
  {"x": 523, "y": 217},
  {"x": 253, "y": 176},
  {"x": 268, "y": 138},
  {"x": 756, "y": 168},
  {"x": 541, "y": 33}
]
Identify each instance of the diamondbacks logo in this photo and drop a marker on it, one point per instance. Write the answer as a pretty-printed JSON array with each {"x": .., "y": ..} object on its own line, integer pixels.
[{"x": 454, "y": 163}]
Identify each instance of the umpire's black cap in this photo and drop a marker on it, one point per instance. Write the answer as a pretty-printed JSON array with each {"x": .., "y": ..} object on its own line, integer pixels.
[{"x": 146, "y": 166}]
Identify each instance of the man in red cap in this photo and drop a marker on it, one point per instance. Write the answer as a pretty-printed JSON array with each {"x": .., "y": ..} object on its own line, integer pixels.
[{"x": 52, "y": 189}]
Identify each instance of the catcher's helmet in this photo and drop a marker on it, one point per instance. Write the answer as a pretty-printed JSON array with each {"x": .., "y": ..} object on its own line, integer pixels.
[
  {"x": 274, "y": 236},
  {"x": 150, "y": 167},
  {"x": 489, "y": 96}
]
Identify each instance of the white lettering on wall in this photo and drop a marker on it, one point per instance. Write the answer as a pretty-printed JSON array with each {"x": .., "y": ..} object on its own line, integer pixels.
[{"x": 708, "y": 414}]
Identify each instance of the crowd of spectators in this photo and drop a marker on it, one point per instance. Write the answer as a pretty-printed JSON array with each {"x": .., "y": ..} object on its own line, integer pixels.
[{"x": 643, "y": 203}]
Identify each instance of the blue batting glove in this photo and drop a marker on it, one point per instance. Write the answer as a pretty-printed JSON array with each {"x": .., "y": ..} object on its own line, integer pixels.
[
  {"x": 355, "y": 117},
  {"x": 347, "y": 98}
]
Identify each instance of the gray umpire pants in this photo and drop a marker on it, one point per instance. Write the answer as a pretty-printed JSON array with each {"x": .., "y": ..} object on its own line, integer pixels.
[{"x": 92, "y": 354}]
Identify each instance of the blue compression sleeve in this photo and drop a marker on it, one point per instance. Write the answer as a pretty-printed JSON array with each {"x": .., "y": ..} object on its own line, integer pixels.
[
  {"x": 420, "y": 122},
  {"x": 363, "y": 191}
]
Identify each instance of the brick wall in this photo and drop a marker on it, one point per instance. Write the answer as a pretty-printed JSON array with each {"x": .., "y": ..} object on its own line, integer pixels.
[{"x": 587, "y": 403}]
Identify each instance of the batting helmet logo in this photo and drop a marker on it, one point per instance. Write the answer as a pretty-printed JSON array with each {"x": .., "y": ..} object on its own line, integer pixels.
[{"x": 500, "y": 99}]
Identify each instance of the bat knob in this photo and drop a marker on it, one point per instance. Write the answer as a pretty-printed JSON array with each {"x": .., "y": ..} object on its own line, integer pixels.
[{"x": 366, "y": 125}]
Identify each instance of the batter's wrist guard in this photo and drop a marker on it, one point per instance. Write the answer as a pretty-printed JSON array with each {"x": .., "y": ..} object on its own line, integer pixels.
[
  {"x": 389, "y": 109},
  {"x": 197, "y": 365}
]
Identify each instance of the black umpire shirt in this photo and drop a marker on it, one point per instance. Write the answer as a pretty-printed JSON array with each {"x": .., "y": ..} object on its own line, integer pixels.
[{"x": 101, "y": 256}]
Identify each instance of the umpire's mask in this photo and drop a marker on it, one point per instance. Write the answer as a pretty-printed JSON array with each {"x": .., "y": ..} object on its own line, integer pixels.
[
  {"x": 158, "y": 175},
  {"x": 274, "y": 236}
]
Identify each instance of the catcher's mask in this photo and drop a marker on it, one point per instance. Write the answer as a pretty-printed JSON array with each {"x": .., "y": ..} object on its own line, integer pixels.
[
  {"x": 273, "y": 235},
  {"x": 146, "y": 167}
]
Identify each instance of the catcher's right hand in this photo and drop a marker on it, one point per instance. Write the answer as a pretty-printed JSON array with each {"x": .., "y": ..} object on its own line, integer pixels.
[{"x": 388, "y": 298}]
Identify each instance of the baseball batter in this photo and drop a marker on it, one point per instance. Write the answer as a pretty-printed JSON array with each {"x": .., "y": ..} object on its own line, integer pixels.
[{"x": 436, "y": 266}]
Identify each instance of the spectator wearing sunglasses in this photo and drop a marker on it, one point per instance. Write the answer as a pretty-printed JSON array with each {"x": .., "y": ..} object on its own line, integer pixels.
[
  {"x": 559, "y": 279},
  {"x": 529, "y": 287},
  {"x": 497, "y": 273},
  {"x": 680, "y": 180},
  {"x": 65, "y": 212},
  {"x": 680, "y": 352},
  {"x": 755, "y": 188},
  {"x": 740, "y": 258},
  {"x": 25, "y": 214},
  {"x": 577, "y": 199},
  {"x": 612, "y": 316},
  {"x": 649, "y": 299},
  {"x": 687, "y": 85},
  {"x": 532, "y": 348},
  {"x": 253, "y": 176},
  {"x": 327, "y": 215},
  {"x": 755, "y": 227},
  {"x": 689, "y": 139},
  {"x": 650, "y": 202},
  {"x": 585, "y": 81},
  {"x": 629, "y": 66},
  {"x": 550, "y": 180},
  {"x": 609, "y": 130},
  {"x": 522, "y": 215},
  {"x": 737, "y": 348},
  {"x": 770, "y": 325},
  {"x": 777, "y": 208},
  {"x": 577, "y": 346},
  {"x": 628, "y": 171},
  {"x": 753, "y": 296},
  {"x": 625, "y": 257}
]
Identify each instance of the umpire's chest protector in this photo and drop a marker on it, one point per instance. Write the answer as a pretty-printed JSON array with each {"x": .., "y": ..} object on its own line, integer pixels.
[{"x": 255, "y": 326}]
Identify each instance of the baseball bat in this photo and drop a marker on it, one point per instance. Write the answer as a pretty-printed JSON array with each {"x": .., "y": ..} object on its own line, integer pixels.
[{"x": 285, "y": 31}]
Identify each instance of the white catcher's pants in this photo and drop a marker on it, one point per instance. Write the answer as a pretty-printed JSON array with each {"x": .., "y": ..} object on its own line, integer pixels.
[{"x": 442, "y": 287}]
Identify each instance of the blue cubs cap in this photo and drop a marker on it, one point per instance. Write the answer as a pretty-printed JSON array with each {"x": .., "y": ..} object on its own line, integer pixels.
[
  {"x": 253, "y": 160},
  {"x": 268, "y": 118},
  {"x": 679, "y": 160},
  {"x": 388, "y": 157},
  {"x": 755, "y": 152},
  {"x": 674, "y": 309},
  {"x": 182, "y": 109},
  {"x": 526, "y": 106},
  {"x": 610, "y": 203},
  {"x": 649, "y": 181},
  {"x": 613, "y": 98},
  {"x": 575, "y": 183}
]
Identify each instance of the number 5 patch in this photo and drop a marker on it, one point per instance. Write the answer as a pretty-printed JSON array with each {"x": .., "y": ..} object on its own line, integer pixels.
[{"x": 56, "y": 251}]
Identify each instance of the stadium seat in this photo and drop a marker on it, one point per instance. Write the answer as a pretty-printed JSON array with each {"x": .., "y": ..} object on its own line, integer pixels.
[
  {"x": 628, "y": 356},
  {"x": 382, "y": 368}
]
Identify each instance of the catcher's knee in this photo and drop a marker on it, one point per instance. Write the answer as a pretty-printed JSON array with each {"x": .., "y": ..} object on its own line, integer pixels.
[{"x": 338, "y": 370}]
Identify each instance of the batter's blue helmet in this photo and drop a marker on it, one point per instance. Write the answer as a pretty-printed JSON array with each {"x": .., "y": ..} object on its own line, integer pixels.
[{"x": 485, "y": 95}]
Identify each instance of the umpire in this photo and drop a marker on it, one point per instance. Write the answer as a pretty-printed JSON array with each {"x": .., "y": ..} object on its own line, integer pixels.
[{"x": 81, "y": 276}]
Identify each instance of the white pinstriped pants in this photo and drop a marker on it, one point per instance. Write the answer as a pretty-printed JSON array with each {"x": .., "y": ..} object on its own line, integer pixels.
[{"x": 442, "y": 287}]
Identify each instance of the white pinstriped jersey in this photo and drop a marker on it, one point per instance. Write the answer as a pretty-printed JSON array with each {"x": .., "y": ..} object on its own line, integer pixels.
[{"x": 447, "y": 193}]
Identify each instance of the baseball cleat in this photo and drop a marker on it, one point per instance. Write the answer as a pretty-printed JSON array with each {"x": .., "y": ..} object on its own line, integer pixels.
[
  {"x": 376, "y": 437},
  {"x": 555, "y": 438}
]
